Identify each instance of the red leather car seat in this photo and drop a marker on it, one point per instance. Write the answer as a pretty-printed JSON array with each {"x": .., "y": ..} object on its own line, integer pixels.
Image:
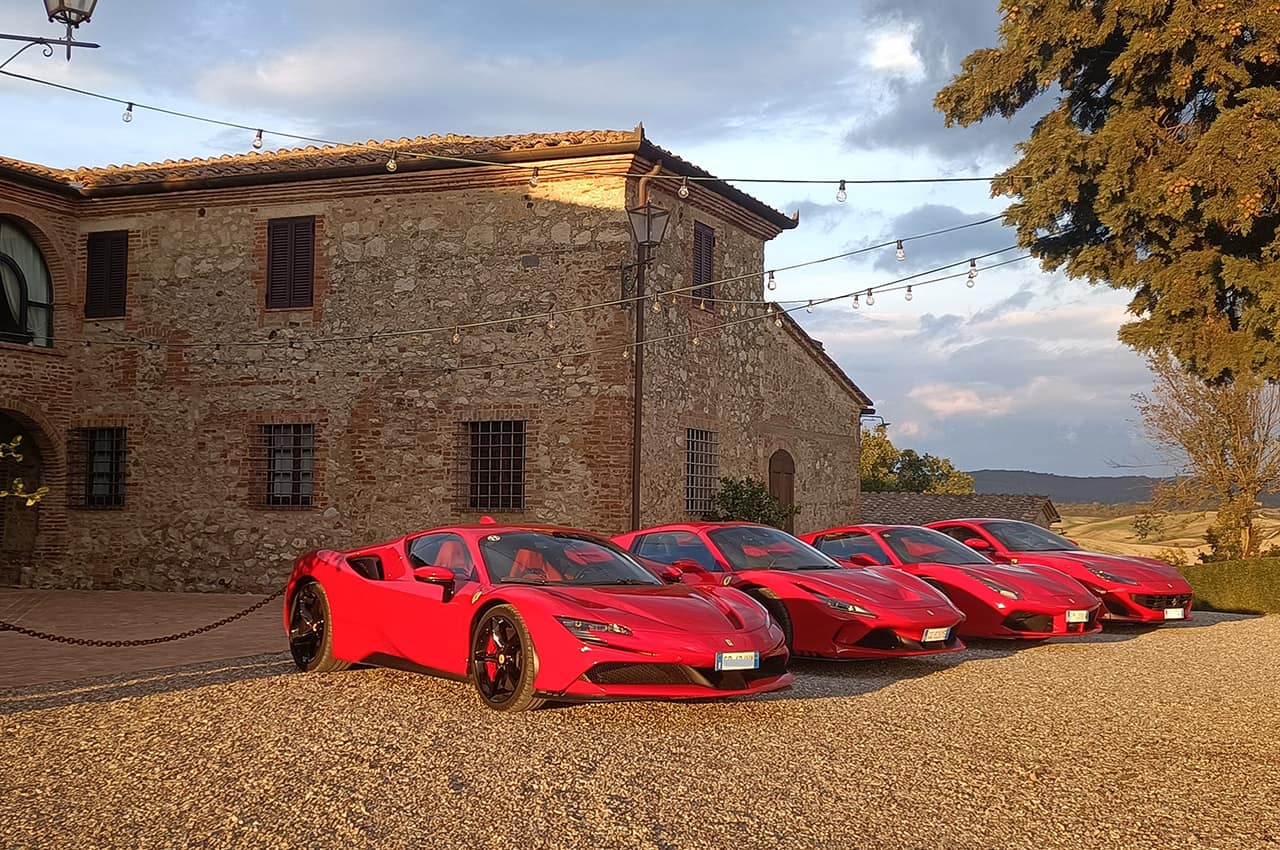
[
  {"x": 531, "y": 564},
  {"x": 453, "y": 554}
]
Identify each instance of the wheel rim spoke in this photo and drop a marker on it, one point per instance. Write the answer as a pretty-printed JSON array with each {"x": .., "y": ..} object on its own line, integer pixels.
[{"x": 498, "y": 680}]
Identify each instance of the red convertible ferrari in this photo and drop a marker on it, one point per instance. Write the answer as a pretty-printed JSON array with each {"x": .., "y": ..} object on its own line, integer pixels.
[
  {"x": 1134, "y": 590},
  {"x": 825, "y": 609},
  {"x": 529, "y": 614},
  {"x": 999, "y": 601}
]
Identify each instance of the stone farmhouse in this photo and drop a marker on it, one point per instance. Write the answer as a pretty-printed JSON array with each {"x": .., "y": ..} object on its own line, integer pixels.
[{"x": 217, "y": 364}]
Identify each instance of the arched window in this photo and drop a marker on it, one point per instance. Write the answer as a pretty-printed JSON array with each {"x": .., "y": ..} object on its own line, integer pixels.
[{"x": 26, "y": 292}]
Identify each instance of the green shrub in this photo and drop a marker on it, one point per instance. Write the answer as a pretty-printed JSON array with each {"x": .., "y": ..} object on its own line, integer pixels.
[
  {"x": 1247, "y": 587},
  {"x": 748, "y": 500}
]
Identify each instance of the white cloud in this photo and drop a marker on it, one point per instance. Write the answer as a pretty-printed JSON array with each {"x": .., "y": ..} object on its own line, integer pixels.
[
  {"x": 946, "y": 400},
  {"x": 893, "y": 53}
]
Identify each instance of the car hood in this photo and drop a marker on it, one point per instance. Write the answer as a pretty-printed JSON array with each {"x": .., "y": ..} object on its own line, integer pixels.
[
  {"x": 1029, "y": 583},
  {"x": 876, "y": 585},
  {"x": 1145, "y": 570},
  {"x": 677, "y": 607}
]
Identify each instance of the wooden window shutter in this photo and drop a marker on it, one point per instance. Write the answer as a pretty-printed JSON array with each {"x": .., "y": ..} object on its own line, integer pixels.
[
  {"x": 704, "y": 254},
  {"x": 106, "y": 274},
  {"x": 279, "y": 262},
  {"x": 304, "y": 260}
]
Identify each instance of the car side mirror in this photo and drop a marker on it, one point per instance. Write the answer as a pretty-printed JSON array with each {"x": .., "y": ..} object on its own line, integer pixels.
[
  {"x": 977, "y": 543},
  {"x": 861, "y": 559},
  {"x": 688, "y": 565},
  {"x": 442, "y": 576},
  {"x": 671, "y": 574}
]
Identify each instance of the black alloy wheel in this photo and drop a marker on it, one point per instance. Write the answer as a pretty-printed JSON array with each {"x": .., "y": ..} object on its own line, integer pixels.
[
  {"x": 310, "y": 632},
  {"x": 503, "y": 661}
]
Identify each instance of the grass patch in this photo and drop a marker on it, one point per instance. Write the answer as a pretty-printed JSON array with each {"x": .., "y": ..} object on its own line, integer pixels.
[{"x": 1244, "y": 587}]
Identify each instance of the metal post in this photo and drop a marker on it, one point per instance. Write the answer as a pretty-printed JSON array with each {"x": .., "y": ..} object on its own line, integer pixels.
[{"x": 637, "y": 408}]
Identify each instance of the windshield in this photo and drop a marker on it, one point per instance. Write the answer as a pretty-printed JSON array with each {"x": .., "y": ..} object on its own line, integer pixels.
[
  {"x": 845, "y": 546},
  {"x": 1025, "y": 537},
  {"x": 926, "y": 546},
  {"x": 540, "y": 557},
  {"x": 753, "y": 547}
]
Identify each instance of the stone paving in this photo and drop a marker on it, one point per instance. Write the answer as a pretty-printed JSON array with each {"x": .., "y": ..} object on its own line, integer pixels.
[{"x": 123, "y": 615}]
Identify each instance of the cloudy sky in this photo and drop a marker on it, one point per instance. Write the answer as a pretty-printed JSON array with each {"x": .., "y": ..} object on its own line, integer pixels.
[{"x": 1021, "y": 371}]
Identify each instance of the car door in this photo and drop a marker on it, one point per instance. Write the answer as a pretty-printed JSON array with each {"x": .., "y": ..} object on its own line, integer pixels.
[{"x": 427, "y": 623}]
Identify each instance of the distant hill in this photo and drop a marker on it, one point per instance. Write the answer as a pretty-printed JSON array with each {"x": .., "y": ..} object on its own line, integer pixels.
[{"x": 1106, "y": 489}]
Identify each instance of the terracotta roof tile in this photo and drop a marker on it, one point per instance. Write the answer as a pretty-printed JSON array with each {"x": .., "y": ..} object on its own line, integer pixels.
[
  {"x": 310, "y": 157},
  {"x": 921, "y": 508}
]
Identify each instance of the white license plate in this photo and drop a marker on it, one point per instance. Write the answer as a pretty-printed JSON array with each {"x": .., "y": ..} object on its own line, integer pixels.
[
  {"x": 931, "y": 635},
  {"x": 1077, "y": 616},
  {"x": 737, "y": 660},
  {"x": 1175, "y": 613}
]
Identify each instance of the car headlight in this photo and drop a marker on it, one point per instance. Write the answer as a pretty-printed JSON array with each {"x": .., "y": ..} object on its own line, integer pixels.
[
  {"x": 1106, "y": 576},
  {"x": 848, "y": 607},
  {"x": 589, "y": 630},
  {"x": 998, "y": 588}
]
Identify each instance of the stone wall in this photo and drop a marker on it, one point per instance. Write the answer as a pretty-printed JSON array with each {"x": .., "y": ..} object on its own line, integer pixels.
[
  {"x": 394, "y": 253},
  {"x": 748, "y": 380}
]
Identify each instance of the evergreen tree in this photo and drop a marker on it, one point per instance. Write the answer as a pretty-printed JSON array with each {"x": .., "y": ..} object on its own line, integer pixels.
[{"x": 1158, "y": 169}]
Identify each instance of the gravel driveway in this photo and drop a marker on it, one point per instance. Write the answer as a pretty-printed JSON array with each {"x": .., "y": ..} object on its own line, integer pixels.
[{"x": 1134, "y": 739}]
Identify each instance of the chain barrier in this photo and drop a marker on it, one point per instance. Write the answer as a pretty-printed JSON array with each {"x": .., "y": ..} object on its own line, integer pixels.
[{"x": 14, "y": 627}]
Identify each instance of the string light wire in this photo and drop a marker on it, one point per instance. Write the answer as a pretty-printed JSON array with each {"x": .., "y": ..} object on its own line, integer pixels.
[
  {"x": 543, "y": 314},
  {"x": 773, "y": 312},
  {"x": 387, "y": 149}
]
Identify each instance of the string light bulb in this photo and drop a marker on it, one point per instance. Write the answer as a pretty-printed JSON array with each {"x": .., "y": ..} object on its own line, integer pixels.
[
  {"x": 842, "y": 194},
  {"x": 901, "y": 251},
  {"x": 128, "y": 114},
  {"x": 702, "y": 303},
  {"x": 809, "y": 308},
  {"x": 626, "y": 353},
  {"x": 391, "y": 163},
  {"x": 533, "y": 179},
  {"x": 773, "y": 282},
  {"x": 973, "y": 274},
  {"x": 657, "y": 305},
  {"x": 257, "y": 141},
  {"x": 871, "y": 298},
  {"x": 551, "y": 321},
  {"x": 683, "y": 191},
  {"x": 697, "y": 340},
  {"x": 909, "y": 295},
  {"x": 856, "y": 305},
  {"x": 457, "y": 335}
]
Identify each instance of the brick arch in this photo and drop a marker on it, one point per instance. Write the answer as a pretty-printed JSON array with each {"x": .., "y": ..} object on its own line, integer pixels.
[
  {"x": 51, "y": 547},
  {"x": 57, "y": 257}
]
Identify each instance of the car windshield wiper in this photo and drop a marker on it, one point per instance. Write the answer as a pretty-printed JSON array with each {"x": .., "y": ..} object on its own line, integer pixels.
[
  {"x": 643, "y": 581},
  {"x": 522, "y": 580}
]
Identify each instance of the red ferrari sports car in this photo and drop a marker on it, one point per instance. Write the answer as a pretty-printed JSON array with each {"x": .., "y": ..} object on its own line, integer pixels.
[
  {"x": 529, "y": 614},
  {"x": 999, "y": 601},
  {"x": 1134, "y": 590},
  {"x": 825, "y": 609}
]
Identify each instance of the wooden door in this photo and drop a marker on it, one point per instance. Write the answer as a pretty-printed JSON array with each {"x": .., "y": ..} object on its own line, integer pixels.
[{"x": 782, "y": 482}]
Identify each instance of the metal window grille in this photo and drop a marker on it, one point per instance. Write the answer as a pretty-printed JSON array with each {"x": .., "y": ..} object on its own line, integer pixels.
[
  {"x": 495, "y": 455},
  {"x": 97, "y": 467},
  {"x": 702, "y": 470},
  {"x": 288, "y": 453}
]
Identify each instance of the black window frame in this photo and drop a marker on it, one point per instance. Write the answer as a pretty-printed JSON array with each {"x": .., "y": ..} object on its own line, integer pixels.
[
  {"x": 288, "y": 451},
  {"x": 701, "y": 470},
  {"x": 291, "y": 263},
  {"x": 98, "y": 467},
  {"x": 496, "y": 452},
  {"x": 106, "y": 275}
]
